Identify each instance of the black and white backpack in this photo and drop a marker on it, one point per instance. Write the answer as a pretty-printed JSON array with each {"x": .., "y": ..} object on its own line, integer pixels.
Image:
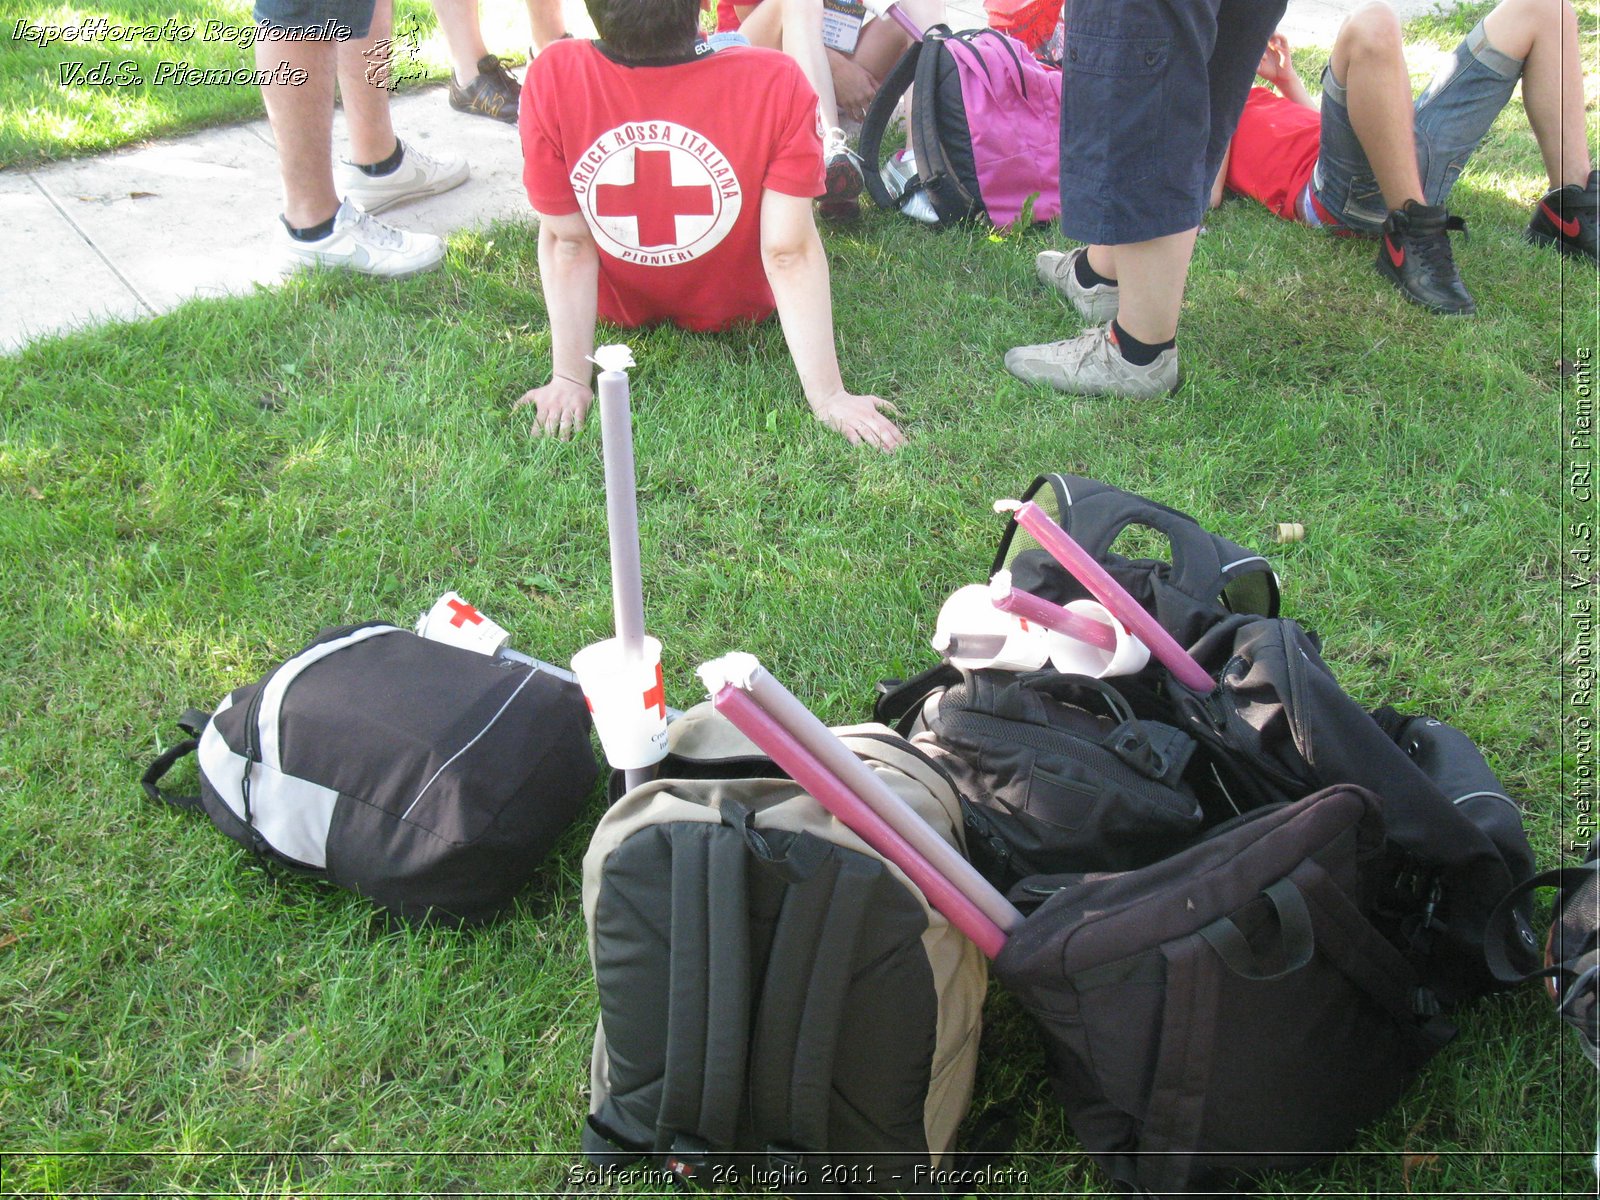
[{"x": 430, "y": 779}]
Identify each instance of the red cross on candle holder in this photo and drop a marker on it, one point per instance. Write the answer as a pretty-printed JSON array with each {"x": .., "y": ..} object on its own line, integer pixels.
[
  {"x": 656, "y": 697},
  {"x": 654, "y": 199},
  {"x": 465, "y": 614}
]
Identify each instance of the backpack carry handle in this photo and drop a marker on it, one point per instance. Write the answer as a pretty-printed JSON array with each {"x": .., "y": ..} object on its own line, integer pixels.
[
  {"x": 1503, "y": 925},
  {"x": 1295, "y": 935},
  {"x": 191, "y": 722}
]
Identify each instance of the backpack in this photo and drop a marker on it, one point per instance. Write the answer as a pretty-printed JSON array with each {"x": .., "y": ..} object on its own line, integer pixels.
[
  {"x": 778, "y": 1004},
  {"x": 984, "y": 128},
  {"x": 1229, "y": 1010},
  {"x": 428, "y": 778},
  {"x": 1055, "y": 771},
  {"x": 1207, "y": 578},
  {"x": 1280, "y": 726}
]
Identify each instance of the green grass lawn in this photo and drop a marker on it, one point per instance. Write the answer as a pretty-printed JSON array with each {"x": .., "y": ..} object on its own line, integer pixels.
[{"x": 185, "y": 501}]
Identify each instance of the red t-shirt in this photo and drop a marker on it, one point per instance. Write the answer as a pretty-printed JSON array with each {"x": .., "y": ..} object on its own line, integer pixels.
[
  {"x": 668, "y": 173},
  {"x": 1274, "y": 150}
]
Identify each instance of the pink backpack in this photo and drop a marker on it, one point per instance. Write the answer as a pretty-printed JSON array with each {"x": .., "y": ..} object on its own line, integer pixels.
[{"x": 985, "y": 129}]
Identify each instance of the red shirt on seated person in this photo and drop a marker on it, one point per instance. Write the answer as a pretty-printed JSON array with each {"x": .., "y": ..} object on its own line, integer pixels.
[{"x": 660, "y": 201}]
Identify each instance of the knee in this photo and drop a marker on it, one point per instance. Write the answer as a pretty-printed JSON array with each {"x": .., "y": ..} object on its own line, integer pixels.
[{"x": 1372, "y": 31}]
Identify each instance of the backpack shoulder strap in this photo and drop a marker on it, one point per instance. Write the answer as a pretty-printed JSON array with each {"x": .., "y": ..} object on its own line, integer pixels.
[
  {"x": 1205, "y": 566},
  {"x": 949, "y": 197},
  {"x": 708, "y": 997},
  {"x": 900, "y": 699},
  {"x": 876, "y": 123},
  {"x": 802, "y": 1002}
]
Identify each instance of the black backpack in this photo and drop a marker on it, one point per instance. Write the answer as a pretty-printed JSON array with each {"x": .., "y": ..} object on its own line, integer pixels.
[
  {"x": 1207, "y": 577},
  {"x": 430, "y": 779},
  {"x": 1055, "y": 771},
  {"x": 1229, "y": 1010},
  {"x": 1280, "y": 726}
]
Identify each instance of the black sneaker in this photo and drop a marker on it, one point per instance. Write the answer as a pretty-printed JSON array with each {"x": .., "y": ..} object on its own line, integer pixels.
[
  {"x": 1568, "y": 219},
  {"x": 492, "y": 94},
  {"x": 1415, "y": 256}
]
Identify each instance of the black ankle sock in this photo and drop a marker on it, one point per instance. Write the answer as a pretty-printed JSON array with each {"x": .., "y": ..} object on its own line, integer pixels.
[
  {"x": 388, "y": 165},
  {"x": 1087, "y": 275},
  {"x": 311, "y": 233},
  {"x": 1140, "y": 354}
]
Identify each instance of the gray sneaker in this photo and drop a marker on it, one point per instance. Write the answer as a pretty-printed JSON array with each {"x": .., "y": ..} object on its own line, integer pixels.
[
  {"x": 364, "y": 244},
  {"x": 418, "y": 175},
  {"x": 1097, "y": 304},
  {"x": 1091, "y": 365}
]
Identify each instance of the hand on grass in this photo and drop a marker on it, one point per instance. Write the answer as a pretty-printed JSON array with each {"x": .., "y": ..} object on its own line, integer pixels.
[
  {"x": 560, "y": 406},
  {"x": 860, "y": 420}
]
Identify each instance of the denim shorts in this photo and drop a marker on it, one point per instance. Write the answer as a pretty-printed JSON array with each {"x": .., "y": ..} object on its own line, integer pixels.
[
  {"x": 1150, "y": 93},
  {"x": 1451, "y": 117},
  {"x": 324, "y": 20}
]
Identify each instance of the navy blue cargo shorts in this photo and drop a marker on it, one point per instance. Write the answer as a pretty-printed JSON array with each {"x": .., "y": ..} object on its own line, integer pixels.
[
  {"x": 317, "y": 20},
  {"x": 1151, "y": 91}
]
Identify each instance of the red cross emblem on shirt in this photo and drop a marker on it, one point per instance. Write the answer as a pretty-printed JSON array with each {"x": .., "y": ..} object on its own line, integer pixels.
[
  {"x": 656, "y": 697},
  {"x": 654, "y": 200},
  {"x": 465, "y": 614}
]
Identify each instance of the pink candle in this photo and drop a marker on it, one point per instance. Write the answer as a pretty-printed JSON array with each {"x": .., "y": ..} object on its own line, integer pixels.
[
  {"x": 1052, "y": 616},
  {"x": 779, "y": 703},
  {"x": 1110, "y": 593},
  {"x": 892, "y": 11},
  {"x": 807, "y": 770}
]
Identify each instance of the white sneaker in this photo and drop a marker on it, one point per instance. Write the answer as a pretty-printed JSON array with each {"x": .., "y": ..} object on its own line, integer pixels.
[
  {"x": 418, "y": 175},
  {"x": 366, "y": 245},
  {"x": 1091, "y": 365},
  {"x": 1096, "y": 304}
]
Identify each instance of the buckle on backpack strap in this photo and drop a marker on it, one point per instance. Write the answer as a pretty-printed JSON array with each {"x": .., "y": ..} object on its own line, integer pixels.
[
  {"x": 786, "y": 1168},
  {"x": 687, "y": 1158}
]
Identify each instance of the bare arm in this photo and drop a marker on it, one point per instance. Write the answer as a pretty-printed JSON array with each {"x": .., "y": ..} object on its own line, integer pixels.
[
  {"x": 569, "y": 272},
  {"x": 1277, "y": 68},
  {"x": 797, "y": 269}
]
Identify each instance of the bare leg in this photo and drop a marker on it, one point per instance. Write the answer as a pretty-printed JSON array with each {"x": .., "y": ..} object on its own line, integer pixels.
[
  {"x": 1150, "y": 276},
  {"x": 302, "y": 126},
  {"x": 1370, "y": 65},
  {"x": 546, "y": 21},
  {"x": 1544, "y": 34},
  {"x": 363, "y": 86},
  {"x": 1103, "y": 261},
  {"x": 463, "y": 34},
  {"x": 795, "y": 27},
  {"x": 883, "y": 42}
]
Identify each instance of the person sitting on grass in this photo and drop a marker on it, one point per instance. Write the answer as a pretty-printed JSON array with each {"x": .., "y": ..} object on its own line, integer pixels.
[
  {"x": 1369, "y": 163},
  {"x": 845, "y": 83},
  {"x": 677, "y": 187}
]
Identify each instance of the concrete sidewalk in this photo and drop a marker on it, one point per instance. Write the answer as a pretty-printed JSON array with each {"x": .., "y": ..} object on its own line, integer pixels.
[{"x": 136, "y": 232}]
